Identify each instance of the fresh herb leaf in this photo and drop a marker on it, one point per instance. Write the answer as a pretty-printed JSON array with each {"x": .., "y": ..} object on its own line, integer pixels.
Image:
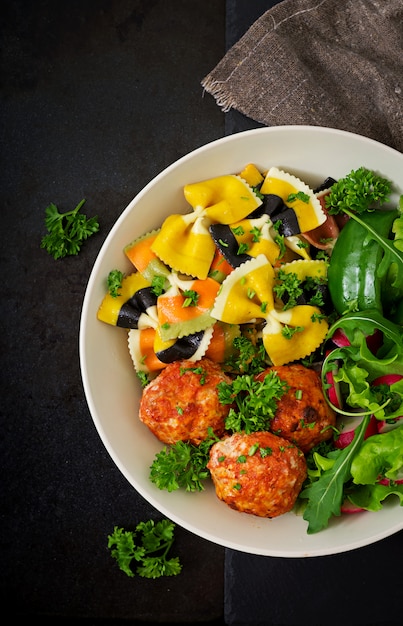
[
  {"x": 158, "y": 285},
  {"x": 357, "y": 192},
  {"x": 67, "y": 231},
  {"x": 249, "y": 356},
  {"x": 191, "y": 297},
  {"x": 288, "y": 287},
  {"x": 300, "y": 195},
  {"x": 182, "y": 465},
  {"x": 148, "y": 546},
  {"x": 255, "y": 401},
  {"x": 143, "y": 378},
  {"x": 115, "y": 278}
]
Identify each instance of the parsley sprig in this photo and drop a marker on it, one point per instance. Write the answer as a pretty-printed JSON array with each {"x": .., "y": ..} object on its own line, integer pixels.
[
  {"x": 114, "y": 280},
  {"x": 359, "y": 191},
  {"x": 255, "y": 401},
  {"x": 148, "y": 546},
  {"x": 67, "y": 231},
  {"x": 249, "y": 356},
  {"x": 182, "y": 465}
]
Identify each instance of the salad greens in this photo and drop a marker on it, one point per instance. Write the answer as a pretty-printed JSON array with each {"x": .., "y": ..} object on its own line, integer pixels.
[
  {"x": 326, "y": 493},
  {"x": 366, "y": 470},
  {"x": 148, "y": 547},
  {"x": 356, "y": 366}
]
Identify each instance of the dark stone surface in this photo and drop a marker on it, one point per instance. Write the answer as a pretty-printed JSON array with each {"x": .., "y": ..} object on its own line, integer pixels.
[{"x": 97, "y": 97}]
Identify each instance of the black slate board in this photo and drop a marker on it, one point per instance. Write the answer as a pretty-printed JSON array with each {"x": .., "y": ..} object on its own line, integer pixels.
[{"x": 97, "y": 97}]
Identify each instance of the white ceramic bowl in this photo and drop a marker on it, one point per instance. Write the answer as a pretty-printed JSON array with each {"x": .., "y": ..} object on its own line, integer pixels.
[{"x": 110, "y": 383}]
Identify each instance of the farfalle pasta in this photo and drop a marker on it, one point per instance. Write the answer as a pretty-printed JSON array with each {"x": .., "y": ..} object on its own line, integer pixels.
[
  {"x": 246, "y": 296},
  {"x": 204, "y": 277},
  {"x": 184, "y": 242}
]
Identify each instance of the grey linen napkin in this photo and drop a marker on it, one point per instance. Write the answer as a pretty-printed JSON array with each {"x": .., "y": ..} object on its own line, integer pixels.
[{"x": 336, "y": 63}]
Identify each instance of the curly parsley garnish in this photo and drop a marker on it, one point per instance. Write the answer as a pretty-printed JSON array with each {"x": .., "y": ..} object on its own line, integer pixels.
[
  {"x": 67, "y": 231},
  {"x": 114, "y": 280},
  {"x": 359, "y": 191},
  {"x": 255, "y": 401},
  {"x": 148, "y": 547},
  {"x": 191, "y": 297},
  {"x": 182, "y": 465}
]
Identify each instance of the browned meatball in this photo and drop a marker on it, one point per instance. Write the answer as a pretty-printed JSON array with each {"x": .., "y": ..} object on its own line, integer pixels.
[
  {"x": 260, "y": 473},
  {"x": 182, "y": 402},
  {"x": 303, "y": 415}
]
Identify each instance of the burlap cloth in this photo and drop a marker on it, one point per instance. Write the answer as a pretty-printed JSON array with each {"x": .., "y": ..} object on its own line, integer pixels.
[{"x": 336, "y": 63}]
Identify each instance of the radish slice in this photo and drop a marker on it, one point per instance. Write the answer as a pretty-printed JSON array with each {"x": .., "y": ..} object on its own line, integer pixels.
[
  {"x": 340, "y": 339},
  {"x": 334, "y": 391},
  {"x": 348, "y": 430},
  {"x": 384, "y": 426},
  {"x": 349, "y": 507},
  {"x": 387, "y": 379},
  {"x": 374, "y": 341},
  {"x": 386, "y": 481}
]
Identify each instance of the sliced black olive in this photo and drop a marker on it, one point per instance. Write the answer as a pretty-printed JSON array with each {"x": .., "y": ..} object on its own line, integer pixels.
[
  {"x": 183, "y": 348},
  {"x": 227, "y": 244},
  {"x": 130, "y": 311},
  {"x": 288, "y": 223},
  {"x": 327, "y": 183}
]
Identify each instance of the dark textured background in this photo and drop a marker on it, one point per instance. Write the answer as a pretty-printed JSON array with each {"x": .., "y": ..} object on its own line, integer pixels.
[{"x": 97, "y": 97}]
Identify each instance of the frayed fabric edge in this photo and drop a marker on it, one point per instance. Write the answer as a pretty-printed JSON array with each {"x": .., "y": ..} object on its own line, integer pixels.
[{"x": 214, "y": 88}]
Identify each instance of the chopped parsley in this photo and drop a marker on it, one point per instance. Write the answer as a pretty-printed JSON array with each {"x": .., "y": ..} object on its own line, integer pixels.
[{"x": 255, "y": 401}]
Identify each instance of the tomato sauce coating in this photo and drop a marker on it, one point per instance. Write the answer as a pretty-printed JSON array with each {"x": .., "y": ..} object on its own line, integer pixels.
[
  {"x": 181, "y": 403},
  {"x": 259, "y": 473},
  {"x": 302, "y": 415}
]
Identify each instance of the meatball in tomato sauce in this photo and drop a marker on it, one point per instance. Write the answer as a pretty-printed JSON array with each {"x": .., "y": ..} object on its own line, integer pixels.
[
  {"x": 259, "y": 473},
  {"x": 181, "y": 403},
  {"x": 302, "y": 416}
]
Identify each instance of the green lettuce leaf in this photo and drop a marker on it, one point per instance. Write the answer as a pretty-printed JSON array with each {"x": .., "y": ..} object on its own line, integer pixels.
[
  {"x": 379, "y": 456},
  {"x": 371, "y": 497}
]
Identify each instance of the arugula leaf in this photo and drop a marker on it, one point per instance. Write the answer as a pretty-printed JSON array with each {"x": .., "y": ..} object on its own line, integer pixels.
[
  {"x": 325, "y": 495},
  {"x": 67, "y": 231},
  {"x": 148, "y": 545}
]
